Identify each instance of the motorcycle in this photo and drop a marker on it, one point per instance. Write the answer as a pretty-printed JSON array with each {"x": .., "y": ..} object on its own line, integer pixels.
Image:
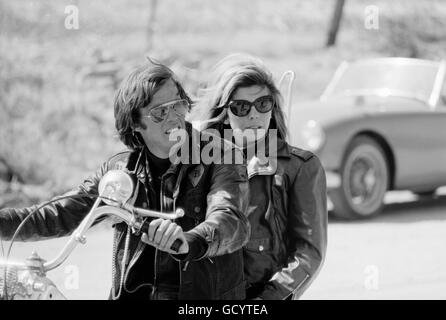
[{"x": 28, "y": 280}]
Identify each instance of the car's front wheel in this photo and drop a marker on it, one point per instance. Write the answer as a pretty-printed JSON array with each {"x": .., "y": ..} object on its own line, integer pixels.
[{"x": 364, "y": 180}]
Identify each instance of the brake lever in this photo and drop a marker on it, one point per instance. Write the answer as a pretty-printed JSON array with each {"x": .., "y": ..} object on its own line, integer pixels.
[{"x": 145, "y": 213}]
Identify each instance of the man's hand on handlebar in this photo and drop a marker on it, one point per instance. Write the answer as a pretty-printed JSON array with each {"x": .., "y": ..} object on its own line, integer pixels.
[{"x": 162, "y": 234}]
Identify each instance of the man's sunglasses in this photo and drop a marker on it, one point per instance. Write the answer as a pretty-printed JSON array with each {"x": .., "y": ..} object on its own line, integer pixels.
[
  {"x": 160, "y": 113},
  {"x": 242, "y": 108}
]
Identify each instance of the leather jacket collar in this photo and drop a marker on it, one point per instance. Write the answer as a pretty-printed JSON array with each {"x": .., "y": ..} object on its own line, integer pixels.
[{"x": 257, "y": 166}]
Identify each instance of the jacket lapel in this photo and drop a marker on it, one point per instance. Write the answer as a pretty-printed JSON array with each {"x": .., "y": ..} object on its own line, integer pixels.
[{"x": 257, "y": 166}]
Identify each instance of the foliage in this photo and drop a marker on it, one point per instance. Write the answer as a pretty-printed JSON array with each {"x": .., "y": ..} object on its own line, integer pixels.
[{"x": 56, "y": 123}]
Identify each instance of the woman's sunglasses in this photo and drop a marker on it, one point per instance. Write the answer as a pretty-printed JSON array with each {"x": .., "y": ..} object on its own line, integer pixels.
[
  {"x": 160, "y": 113},
  {"x": 242, "y": 108}
]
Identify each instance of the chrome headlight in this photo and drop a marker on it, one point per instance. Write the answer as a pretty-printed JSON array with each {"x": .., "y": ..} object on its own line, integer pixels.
[
  {"x": 116, "y": 187},
  {"x": 313, "y": 136}
]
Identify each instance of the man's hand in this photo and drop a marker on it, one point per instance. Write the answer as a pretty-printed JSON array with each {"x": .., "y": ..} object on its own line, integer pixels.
[{"x": 162, "y": 233}]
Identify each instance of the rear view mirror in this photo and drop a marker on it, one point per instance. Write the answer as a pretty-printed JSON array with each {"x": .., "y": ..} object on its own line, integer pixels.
[{"x": 116, "y": 187}]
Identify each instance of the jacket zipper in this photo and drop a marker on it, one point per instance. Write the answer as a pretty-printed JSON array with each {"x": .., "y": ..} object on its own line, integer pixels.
[
  {"x": 138, "y": 250},
  {"x": 115, "y": 246},
  {"x": 141, "y": 245},
  {"x": 124, "y": 272},
  {"x": 155, "y": 263}
]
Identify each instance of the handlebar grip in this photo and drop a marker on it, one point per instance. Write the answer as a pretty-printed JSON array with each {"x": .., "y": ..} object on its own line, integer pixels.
[
  {"x": 145, "y": 226},
  {"x": 175, "y": 245}
]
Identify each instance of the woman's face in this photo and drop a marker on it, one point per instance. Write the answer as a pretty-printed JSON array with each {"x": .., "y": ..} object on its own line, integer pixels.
[{"x": 255, "y": 124}]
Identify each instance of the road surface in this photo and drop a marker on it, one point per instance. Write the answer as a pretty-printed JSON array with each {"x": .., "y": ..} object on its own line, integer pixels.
[{"x": 401, "y": 254}]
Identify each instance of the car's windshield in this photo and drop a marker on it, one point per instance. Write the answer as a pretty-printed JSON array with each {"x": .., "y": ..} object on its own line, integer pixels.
[{"x": 386, "y": 77}]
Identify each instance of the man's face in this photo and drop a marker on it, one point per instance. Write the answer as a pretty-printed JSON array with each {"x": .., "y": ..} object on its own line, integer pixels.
[{"x": 156, "y": 134}]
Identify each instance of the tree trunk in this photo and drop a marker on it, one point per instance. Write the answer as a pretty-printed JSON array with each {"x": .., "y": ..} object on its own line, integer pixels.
[
  {"x": 151, "y": 24},
  {"x": 335, "y": 22}
]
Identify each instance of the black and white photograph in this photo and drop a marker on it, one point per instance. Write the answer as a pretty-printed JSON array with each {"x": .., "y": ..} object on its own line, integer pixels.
[{"x": 223, "y": 150}]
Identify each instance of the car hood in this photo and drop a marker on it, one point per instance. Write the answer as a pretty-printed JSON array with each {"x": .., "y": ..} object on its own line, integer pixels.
[
  {"x": 343, "y": 108},
  {"x": 328, "y": 113},
  {"x": 324, "y": 112}
]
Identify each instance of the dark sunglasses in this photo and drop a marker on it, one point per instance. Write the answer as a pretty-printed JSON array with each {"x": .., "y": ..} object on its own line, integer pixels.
[{"x": 242, "y": 108}]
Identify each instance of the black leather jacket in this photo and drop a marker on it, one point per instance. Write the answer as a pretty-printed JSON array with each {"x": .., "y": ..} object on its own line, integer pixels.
[
  {"x": 286, "y": 254},
  {"x": 214, "y": 198}
]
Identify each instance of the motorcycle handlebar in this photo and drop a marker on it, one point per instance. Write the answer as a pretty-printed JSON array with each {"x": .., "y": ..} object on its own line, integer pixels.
[
  {"x": 126, "y": 213},
  {"x": 117, "y": 186},
  {"x": 145, "y": 213}
]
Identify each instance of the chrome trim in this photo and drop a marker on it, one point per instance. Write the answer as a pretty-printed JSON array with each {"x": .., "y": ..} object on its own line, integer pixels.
[
  {"x": 397, "y": 61},
  {"x": 80, "y": 232},
  {"x": 289, "y": 92},
  {"x": 10, "y": 264}
]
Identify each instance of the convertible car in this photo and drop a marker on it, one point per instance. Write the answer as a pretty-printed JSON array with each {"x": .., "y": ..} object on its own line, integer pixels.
[{"x": 380, "y": 125}]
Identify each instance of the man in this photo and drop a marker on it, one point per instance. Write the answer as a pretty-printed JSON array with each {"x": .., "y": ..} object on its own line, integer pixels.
[{"x": 149, "y": 106}]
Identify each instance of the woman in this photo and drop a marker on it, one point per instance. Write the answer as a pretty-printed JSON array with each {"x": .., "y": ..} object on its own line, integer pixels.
[{"x": 287, "y": 210}]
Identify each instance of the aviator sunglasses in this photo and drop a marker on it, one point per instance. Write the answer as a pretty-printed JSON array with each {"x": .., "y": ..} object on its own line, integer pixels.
[
  {"x": 160, "y": 113},
  {"x": 242, "y": 108}
]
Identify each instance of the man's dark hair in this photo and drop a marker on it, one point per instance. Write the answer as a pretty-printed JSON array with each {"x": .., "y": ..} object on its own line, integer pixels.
[{"x": 136, "y": 92}]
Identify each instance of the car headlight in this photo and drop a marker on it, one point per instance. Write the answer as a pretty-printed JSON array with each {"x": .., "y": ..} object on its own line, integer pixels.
[{"x": 313, "y": 136}]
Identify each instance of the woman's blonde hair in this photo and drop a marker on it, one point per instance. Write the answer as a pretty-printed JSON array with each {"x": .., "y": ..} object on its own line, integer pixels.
[{"x": 229, "y": 74}]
